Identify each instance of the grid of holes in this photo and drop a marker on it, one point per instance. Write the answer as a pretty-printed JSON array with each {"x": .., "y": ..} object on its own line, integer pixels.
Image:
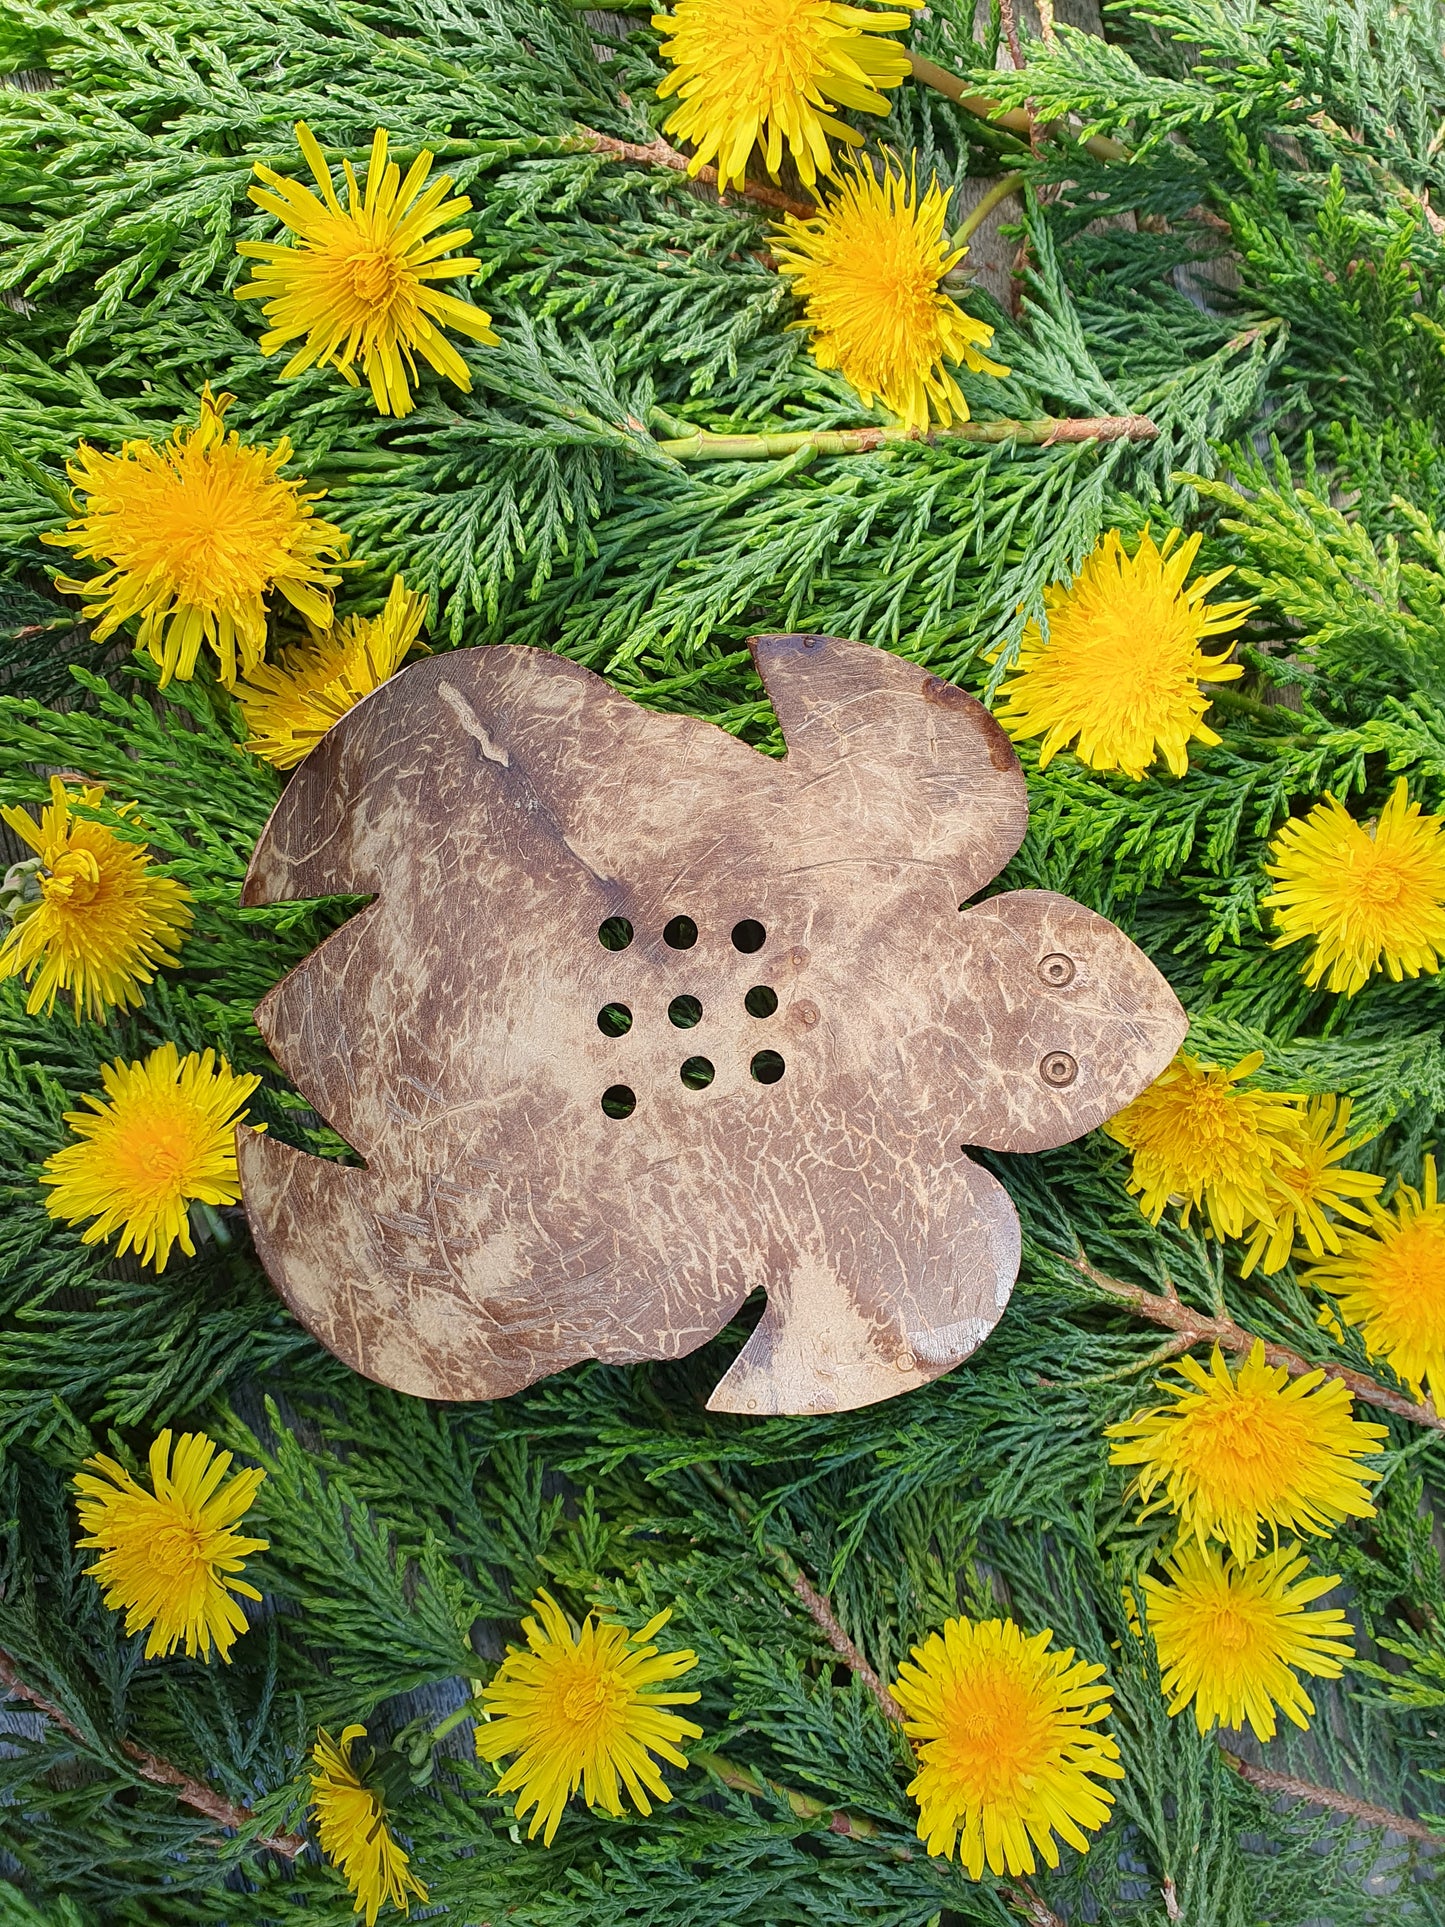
[{"x": 685, "y": 1011}]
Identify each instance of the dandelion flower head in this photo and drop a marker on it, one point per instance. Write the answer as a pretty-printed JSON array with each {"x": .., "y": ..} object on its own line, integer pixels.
[
  {"x": 352, "y": 1831},
  {"x": 580, "y": 1709},
  {"x": 1119, "y": 676},
  {"x": 1008, "y": 1750},
  {"x": 1372, "y": 896},
  {"x": 169, "y": 1557},
  {"x": 1302, "y": 1195},
  {"x": 769, "y": 71},
  {"x": 867, "y": 268},
  {"x": 1200, "y": 1141},
  {"x": 1233, "y": 1455},
  {"x": 359, "y": 284},
  {"x": 95, "y": 918},
  {"x": 197, "y": 534},
  {"x": 162, "y": 1136},
  {"x": 291, "y": 704},
  {"x": 1390, "y": 1281},
  {"x": 1228, "y": 1636}
]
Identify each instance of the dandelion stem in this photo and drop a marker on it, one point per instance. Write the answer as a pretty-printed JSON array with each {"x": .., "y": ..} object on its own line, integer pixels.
[
  {"x": 803, "y": 1805},
  {"x": 213, "y": 1222},
  {"x": 1198, "y": 1327},
  {"x": 1000, "y": 191},
  {"x": 1046, "y": 432},
  {"x": 1013, "y": 120},
  {"x": 191, "y": 1793},
  {"x": 1331, "y": 1799}
]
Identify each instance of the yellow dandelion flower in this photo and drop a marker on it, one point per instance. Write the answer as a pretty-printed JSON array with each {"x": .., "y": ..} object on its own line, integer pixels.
[
  {"x": 1301, "y": 1193},
  {"x": 166, "y": 1136},
  {"x": 358, "y": 285},
  {"x": 1119, "y": 675},
  {"x": 1007, "y": 1751},
  {"x": 1199, "y": 1141},
  {"x": 1233, "y": 1455},
  {"x": 197, "y": 534},
  {"x": 1228, "y": 1635},
  {"x": 290, "y": 705},
  {"x": 169, "y": 1557},
  {"x": 94, "y": 917},
  {"x": 352, "y": 1831},
  {"x": 867, "y": 268},
  {"x": 578, "y": 1709},
  {"x": 769, "y": 71},
  {"x": 1390, "y": 1281},
  {"x": 1372, "y": 896}
]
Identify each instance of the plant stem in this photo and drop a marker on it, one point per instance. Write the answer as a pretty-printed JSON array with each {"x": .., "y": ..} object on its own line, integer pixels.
[
  {"x": 1331, "y": 1799},
  {"x": 658, "y": 154},
  {"x": 1046, "y": 432},
  {"x": 1000, "y": 191},
  {"x": 191, "y": 1793},
  {"x": 1273, "y": 714},
  {"x": 1014, "y": 120},
  {"x": 1018, "y": 1895},
  {"x": 1009, "y": 22},
  {"x": 819, "y": 1609},
  {"x": 855, "y": 1825},
  {"x": 1197, "y": 1327}
]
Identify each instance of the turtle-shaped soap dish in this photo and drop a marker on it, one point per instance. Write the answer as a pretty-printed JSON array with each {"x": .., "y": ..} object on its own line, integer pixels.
[{"x": 642, "y": 1020}]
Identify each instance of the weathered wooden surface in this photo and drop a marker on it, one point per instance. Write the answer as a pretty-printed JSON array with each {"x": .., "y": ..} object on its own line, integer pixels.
[{"x": 503, "y": 804}]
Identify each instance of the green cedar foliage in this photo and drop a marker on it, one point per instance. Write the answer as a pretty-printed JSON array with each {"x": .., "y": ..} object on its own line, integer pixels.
[{"x": 1265, "y": 276}]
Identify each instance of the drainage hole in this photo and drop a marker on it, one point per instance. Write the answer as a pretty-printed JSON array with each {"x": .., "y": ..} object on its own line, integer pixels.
[
  {"x": 767, "y": 1067},
  {"x": 761, "y": 1001},
  {"x": 619, "y": 1101},
  {"x": 615, "y": 934},
  {"x": 614, "y": 1020},
  {"x": 697, "y": 1073},
  {"x": 684, "y": 1012},
  {"x": 749, "y": 935},
  {"x": 680, "y": 933}
]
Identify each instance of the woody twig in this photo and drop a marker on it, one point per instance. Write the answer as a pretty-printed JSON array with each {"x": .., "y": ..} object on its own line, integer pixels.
[
  {"x": 191, "y": 1793},
  {"x": 1195, "y": 1327}
]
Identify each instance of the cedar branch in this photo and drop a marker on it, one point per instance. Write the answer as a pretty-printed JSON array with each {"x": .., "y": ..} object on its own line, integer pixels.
[
  {"x": 1047, "y": 432},
  {"x": 658, "y": 154},
  {"x": 1331, "y": 1799},
  {"x": 819, "y": 1608},
  {"x": 1196, "y": 1327},
  {"x": 823, "y": 1615},
  {"x": 192, "y": 1793}
]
